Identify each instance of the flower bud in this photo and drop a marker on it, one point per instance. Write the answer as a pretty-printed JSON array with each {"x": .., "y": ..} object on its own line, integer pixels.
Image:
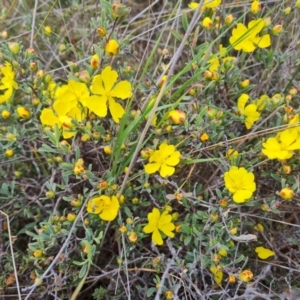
[
  {"x": 5, "y": 114},
  {"x": 179, "y": 196},
  {"x": 107, "y": 150},
  {"x": 286, "y": 169},
  {"x": 231, "y": 279},
  {"x": 208, "y": 75},
  {"x": 214, "y": 217},
  {"x": 204, "y": 137},
  {"x": 35, "y": 101},
  {"x": 255, "y": 7},
  {"x": 85, "y": 137},
  {"x": 245, "y": 83},
  {"x": 40, "y": 73},
  {"x": 169, "y": 295},
  {"x": 267, "y": 22},
  {"x": 123, "y": 229},
  {"x": 215, "y": 76},
  {"x": 38, "y": 253},
  {"x": 112, "y": 48},
  {"x": 103, "y": 185},
  {"x": 177, "y": 116},
  {"x": 14, "y": 47},
  {"x": 50, "y": 194},
  {"x": 229, "y": 19},
  {"x": 47, "y": 30},
  {"x": 287, "y": 193},
  {"x": 132, "y": 237},
  {"x": 4, "y": 34},
  {"x": 259, "y": 227},
  {"x": 246, "y": 276},
  {"x": 135, "y": 201},
  {"x": 76, "y": 203},
  {"x": 119, "y": 10},
  {"x": 62, "y": 47},
  {"x": 287, "y": 10},
  {"x": 33, "y": 66},
  {"x": 207, "y": 23},
  {"x": 223, "y": 203},
  {"x": 9, "y": 153},
  {"x": 71, "y": 217},
  {"x": 293, "y": 91},
  {"x": 95, "y": 60},
  {"x": 161, "y": 82},
  {"x": 233, "y": 230},
  {"x": 277, "y": 29},
  {"x": 222, "y": 252},
  {"x": 23, "y": 112},
  {"x": 101, "y": 31}
]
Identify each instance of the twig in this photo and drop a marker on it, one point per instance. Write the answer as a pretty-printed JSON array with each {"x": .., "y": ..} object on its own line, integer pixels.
[
  {"x": 12, "y": 254},
  {"x": 33, "y": 22}
]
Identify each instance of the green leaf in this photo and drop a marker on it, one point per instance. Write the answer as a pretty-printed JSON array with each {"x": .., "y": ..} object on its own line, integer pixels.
[
  {"x": 47, "y": 149},
  {"x": 82, "y": 271},
  {"x": 176, "y": 35},
  {"x": 151, "y": 291},
  {"x": 184, "y": 20}
]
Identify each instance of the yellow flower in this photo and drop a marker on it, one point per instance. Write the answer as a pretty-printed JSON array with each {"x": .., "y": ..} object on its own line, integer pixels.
[
  {"x": 283, "y": 145},
  {"x": 66, "y": 107},
  {"x": 232, "y": 154},
  {"x": 106, "y": 207},
  {"x": 249, "y": 112},
  {"x": 7, "y": 83},
  {"x": 105, "y": 91},
  {"x": 206, "y": 4},
  {"x": 240, "y": 183},
  {"x": 246, "y": 275},
  {"x": 287, "y": 193},
  {"x": 247, "y": 39},
  {"x": 163, "y": 160},
  {"x": 112, "y": 48},
  {"x": 264, "y": 253},
  {"x": 216, "y": 58},
  {"x": 261, "y": 102},
  {"x": 159, "y": 223}
]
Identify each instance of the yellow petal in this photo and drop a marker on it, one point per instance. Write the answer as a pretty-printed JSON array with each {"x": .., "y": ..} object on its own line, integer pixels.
[
  {"x": 166, "y": 171},
  {"x": 173, "y": 159},
  {"x": 97, "y": 85},
  {"x": 98, "y": 105},
  {"x": 110, "y": 211},
  {"x": 122, "y": 90},
  {"x": 109, "y": 78},
  {"x": 156, "y": 237},
  {"x": 262, "y": 42},
  {"x": 116, "y": 110},
  {"x": 152, "y": 168},
  {"x": 241, "y": 196},
  {"x": 49, "y": 118},
  {"x": 264, "y": 253}
]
